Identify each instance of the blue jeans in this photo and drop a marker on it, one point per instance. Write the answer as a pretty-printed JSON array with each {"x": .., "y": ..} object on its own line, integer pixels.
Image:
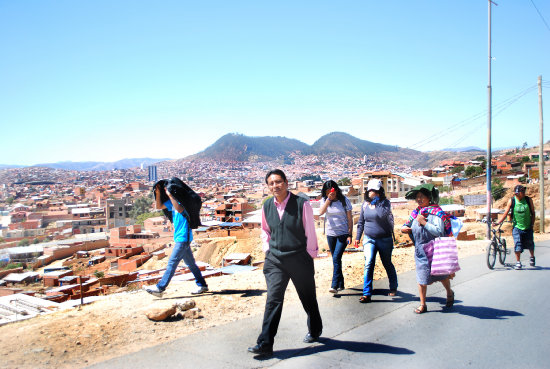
[
  {"x": 337, "y": 245},
  {"x": 182, "y": 250},
  {"x": 371, "y": 246}
]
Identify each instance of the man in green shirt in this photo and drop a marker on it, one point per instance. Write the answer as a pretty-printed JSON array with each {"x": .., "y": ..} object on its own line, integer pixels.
[{"x": 523, "y": 219}]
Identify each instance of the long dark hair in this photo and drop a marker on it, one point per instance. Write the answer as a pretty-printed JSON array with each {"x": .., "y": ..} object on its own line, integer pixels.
[
  {"x": 381, "y": 194},
  {"x": 327, "y": 186}
]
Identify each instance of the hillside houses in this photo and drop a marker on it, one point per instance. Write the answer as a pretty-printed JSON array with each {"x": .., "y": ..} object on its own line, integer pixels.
[{"x": 52, "y": 204}]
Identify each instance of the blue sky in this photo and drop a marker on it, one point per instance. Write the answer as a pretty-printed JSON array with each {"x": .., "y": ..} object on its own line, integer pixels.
[{"x": 107, "y": 80}]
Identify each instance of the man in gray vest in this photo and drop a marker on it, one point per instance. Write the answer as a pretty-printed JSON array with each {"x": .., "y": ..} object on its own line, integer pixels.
[{"x": 290, "y": 244}]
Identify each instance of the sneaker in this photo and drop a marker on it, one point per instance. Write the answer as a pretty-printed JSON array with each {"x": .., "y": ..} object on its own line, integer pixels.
[
  {"x": 340, "y": 289},
  {"x": 532, "y": 261},
  {"x": 153, "y": 290},
  {"x": 333, "y": 290},
  {"x": 199, "y": 290},
  {"x": 518, "y": 265}
]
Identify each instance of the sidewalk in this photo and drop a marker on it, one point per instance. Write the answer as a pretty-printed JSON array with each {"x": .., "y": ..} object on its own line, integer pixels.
[{"x": 384, "y": 333}]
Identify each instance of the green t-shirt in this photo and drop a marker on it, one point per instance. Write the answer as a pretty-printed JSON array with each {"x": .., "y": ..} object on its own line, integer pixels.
[{"x": 522, "y": 214}]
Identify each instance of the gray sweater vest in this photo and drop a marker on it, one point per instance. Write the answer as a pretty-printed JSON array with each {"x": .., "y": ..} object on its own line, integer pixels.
[{"x": 288, "y": 236}]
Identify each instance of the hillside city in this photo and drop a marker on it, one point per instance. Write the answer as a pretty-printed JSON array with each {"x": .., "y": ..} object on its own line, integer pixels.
[{"x": 70, "y": 235}]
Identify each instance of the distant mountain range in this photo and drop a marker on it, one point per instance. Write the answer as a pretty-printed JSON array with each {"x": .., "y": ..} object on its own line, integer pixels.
[
  {"x": 465, "y": 149},
  {"x": 238, "y": 147},
  {"x": 7, "y": 166},
  {"x": 93, "y": 165}
]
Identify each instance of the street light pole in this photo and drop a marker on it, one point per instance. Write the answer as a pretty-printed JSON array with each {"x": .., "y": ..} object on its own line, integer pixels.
[
  {"x": 489, "y": 114},
  {"x": 541, "y": 159}
]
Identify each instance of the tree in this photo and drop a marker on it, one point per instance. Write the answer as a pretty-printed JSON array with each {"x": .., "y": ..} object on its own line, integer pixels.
[
  {"x": 484, "y": 163},
  {"x": 446, "y": 200},
  {"x": 344, "y": 182},
  {"x": 316, "y": 178},
  {"x": 524, "y": 146},
  {"x": 10, "y": 200},
  {"x": 473, "y": 171},
  {"x": 24, "y": 242},
  {"x": 142, "y": 217},
  {"x": 524, "y": 159},
  {"x": 497, "y": 188},
  {"x": 457, "y": 170},
  {"x": 141, "y": 205}
]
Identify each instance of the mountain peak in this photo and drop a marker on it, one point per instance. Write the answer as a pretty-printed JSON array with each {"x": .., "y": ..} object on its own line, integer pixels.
[
  {"x": 238, "y": 147},
  {"x": 344, "y": 143}
]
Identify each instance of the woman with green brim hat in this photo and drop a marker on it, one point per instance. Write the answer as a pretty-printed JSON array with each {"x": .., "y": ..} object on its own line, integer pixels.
[
  {"x": 427, "y": 222},
  {"x": 428, "y": 189}
]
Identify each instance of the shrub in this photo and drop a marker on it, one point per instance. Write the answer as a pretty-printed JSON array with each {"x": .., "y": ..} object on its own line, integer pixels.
[
  {"x": 498, "y": 189},
  {"x": 24, "y": 242},
  {"x": 99, "y": 274},
  {"x": 12, "y": 266}
]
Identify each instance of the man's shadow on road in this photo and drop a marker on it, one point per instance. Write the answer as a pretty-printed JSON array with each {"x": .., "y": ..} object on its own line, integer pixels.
[{"x": 329, "y": 344}]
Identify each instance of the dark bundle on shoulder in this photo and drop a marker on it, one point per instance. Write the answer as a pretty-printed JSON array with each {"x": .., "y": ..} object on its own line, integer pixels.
[{"x": 184, "y": 195}]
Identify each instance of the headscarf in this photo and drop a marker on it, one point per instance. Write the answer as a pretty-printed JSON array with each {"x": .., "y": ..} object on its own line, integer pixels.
[{"x": 432, "y": 209}]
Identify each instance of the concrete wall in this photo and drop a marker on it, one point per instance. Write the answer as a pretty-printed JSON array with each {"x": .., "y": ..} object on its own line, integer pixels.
[{"x": 60, "y": 252}]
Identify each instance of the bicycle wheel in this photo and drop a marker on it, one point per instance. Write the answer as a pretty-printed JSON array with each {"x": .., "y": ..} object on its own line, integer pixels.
[
  {"x": 491, "y": 254},
  {"x": 502, "y": 251}
]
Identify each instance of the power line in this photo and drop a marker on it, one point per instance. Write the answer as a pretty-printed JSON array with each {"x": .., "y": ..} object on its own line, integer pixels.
[
  {"x": 499, "y": 108},
  {"x": 541, "y": 17}
]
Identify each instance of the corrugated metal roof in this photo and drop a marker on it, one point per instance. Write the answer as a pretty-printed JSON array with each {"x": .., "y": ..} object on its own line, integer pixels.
[{"x": 232, "y": 269}]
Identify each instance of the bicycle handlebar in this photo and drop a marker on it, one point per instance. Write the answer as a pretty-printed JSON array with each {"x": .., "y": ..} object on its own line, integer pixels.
[{"x": 499, "y": 230}]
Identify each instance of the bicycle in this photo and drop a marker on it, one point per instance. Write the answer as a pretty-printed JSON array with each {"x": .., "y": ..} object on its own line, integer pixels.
[{"x": 497, "y": 245}]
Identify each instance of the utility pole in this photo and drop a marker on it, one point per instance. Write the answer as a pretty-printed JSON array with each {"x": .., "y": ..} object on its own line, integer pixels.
[
  {"x": 541, "y": 159},
  {"x": 489, "y": 114}
]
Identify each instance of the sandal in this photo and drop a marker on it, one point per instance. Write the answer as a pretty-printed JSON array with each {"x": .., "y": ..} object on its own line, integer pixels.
[
  {"x": 450, "y": 300},
  {"x": 365, "y": 299},
  {"x": 421, "y": 309}
]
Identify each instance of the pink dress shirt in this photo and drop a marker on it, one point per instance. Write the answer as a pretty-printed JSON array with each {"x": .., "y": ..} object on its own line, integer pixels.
[{"x": 307, "y": 220}]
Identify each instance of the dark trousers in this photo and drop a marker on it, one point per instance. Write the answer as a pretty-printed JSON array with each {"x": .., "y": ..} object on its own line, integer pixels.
[{"x": 278, "y": 271}]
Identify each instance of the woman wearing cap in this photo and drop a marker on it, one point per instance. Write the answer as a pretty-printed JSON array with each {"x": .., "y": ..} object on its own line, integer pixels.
[
  {"x": 376, "y": 226},
  {"x": 426, "y": 223},
  {"x": 339, "y": 227}
]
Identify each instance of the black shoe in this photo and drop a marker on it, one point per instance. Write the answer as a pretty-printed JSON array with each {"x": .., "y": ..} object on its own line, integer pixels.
[
  {"x": 261, "y": 349},
  {"x": 310, "y": 339}
]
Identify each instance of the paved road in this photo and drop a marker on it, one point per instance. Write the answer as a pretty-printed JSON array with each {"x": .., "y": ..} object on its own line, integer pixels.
[{"x": 499, "y": 321}]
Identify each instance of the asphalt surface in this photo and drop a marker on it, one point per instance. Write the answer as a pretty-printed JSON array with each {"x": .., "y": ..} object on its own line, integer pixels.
[{"x": 500, "y": 320}]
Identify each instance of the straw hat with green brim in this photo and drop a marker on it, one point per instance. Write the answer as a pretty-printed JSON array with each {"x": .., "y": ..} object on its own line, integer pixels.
[{"x": 428, "y": 188}]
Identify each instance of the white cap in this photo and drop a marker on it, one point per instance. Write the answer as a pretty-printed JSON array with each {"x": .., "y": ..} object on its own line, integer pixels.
[{"x": 374, "y": 184}]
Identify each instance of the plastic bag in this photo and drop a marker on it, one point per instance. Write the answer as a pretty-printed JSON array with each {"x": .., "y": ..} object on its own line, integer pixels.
[
  {"x": 456, "y": 225},
  {"x": 443, "y": 256}
]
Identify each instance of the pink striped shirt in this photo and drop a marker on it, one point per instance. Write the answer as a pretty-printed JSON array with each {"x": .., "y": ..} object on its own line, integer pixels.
[{"x": 307, "y": 220}]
